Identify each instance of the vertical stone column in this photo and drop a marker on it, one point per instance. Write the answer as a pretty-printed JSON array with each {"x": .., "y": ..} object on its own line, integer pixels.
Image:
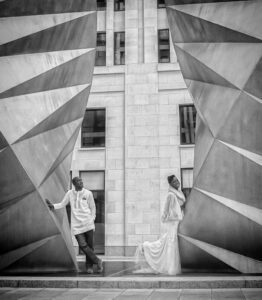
[
  {"x": 131, "y": 31},
  {"x": 141, "y": 132},
  {"x": 114, "y": 208},
  {"x": 150, "y": 32},
  {"x": 110, "y": 33}
]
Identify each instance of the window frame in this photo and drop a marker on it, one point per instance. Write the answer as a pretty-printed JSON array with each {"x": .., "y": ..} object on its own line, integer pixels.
[
  {"x": 97, "y": 51},
  {"x": 180, "y": 124},
  {"x": 160, "y": 5},
  {"x": 102, "y": 8},
  {"x": 115, "y": 2},
  {"x": 115, "y": 34},
  {"x": 159, "y": 45},
  {"x": 93, "y": 146}
]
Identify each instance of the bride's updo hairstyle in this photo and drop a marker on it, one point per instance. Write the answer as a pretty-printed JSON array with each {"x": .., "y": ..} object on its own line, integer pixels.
[{"x": 170, "y": 178}]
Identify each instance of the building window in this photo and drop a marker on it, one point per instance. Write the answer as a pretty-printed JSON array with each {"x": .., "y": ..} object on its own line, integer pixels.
[
  {"x": 101, "y": 4},
  {"x": 101, "y": 49},
  {"x": 119, "y": 5},
  {"x": 119, "y": 48},
  {"x": 95, "y": 182},
  {"x": 161, "y": 4},
  {"x": 93, "y": 128},
  {"x": 186, "y": 181},
  {"x": 163, "y": 46},
  {"x": 187, "y": 115}
]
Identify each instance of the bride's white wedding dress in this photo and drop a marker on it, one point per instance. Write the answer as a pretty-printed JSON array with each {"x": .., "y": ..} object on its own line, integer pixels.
[{"x": 162, "y": 256}]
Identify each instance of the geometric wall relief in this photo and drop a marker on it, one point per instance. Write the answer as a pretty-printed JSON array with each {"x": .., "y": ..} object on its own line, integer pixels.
[
  {"x": 47, "y": 54},
  {"x": 240, "y": 262},
  {"x": 219, "y": 49}
]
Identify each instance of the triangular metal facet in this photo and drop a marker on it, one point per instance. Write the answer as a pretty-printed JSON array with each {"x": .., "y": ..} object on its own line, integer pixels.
[
  {"x": 18, "y": 27},
  {"x": 23, "y": 113},
  {"x": 213, "y": 107},
  {"x": 32, "y": 65},
  {"x": 218, "y": 55},
  {"x": 50, "y": 256},
  {"x": 3, "y": 141},
  {"x": 12, "y": 171},
  {"x": 207, "y": 32},
  {"x": 28, "y": 7},
  {"x": 69, "y": 147},
  {"x": 240, "y": 129},
  {"x": 248, "y": 154},
  {"x": 220, "y": 13},
  {"x": 239, "y": 262},
  {"x": 254, "y": 82},
  {"x": 216, "y": 178},
  {"x": 227, "y": 228},
  {"x": 193, "y": 69},
  {"x": 76, "y": 71},
  {"x": 61, "y": 37},
  {"x": 15, "y": 255},
  {"x": 29, "y": 210},
  {"x": 193, "y": 257},
  {"x": 204, "y": 143},
  {"x": 247, "y": 211},
  {"x": 37, "y": 154}
]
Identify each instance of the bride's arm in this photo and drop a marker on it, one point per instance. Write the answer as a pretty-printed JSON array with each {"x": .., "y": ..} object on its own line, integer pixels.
[{"x": 180, "y": 197}]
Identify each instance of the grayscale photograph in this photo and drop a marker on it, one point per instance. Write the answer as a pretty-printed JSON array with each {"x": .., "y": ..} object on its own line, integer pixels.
[{"x": 131, "y": 149}]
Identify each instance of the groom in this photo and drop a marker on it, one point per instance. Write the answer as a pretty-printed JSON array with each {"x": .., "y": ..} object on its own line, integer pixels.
[{"x": 83, "y": 214}]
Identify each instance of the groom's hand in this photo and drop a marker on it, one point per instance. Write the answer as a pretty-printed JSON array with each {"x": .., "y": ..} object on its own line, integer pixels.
[{"x": 49, "y": 204}]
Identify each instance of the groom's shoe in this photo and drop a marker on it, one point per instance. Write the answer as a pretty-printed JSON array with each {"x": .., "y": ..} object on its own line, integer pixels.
[
  {"x": 89, "y": 270},
  {"x": 100, "y": 266}
]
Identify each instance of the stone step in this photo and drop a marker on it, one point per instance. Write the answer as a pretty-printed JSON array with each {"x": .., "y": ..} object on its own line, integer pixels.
[{"x": 133, "y": 282}]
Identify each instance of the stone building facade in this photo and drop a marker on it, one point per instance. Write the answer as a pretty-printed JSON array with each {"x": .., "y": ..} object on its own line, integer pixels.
[{"x": 142, "y": 147}]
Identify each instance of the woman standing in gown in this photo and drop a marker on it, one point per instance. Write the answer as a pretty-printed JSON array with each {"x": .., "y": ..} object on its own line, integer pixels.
[{"x": 162, "y": 256}]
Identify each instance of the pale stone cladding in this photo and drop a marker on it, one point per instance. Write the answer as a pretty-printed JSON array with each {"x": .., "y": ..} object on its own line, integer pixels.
[{"x": 142, "y": 101}]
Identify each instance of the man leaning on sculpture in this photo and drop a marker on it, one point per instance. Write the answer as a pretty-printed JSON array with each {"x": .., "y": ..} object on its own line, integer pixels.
[{"x": 83, "y": 214}]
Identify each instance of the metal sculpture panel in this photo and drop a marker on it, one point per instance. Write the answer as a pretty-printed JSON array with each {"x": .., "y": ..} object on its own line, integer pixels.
[
  {"x": 47, "y": 53},
  {"x": 219, "y": 48}
]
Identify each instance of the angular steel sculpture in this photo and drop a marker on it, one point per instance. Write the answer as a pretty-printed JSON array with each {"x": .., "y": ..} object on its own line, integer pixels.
[
  {"x": 219, "y": 48},
  {"x": 47, "y": 52}
]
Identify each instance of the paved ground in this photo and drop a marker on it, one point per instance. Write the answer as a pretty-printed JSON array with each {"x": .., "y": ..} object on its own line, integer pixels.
[{"x": 124, "y": 294}]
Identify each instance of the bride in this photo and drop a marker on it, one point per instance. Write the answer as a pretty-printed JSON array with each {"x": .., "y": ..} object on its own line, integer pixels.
[{"x": 162, "y": 256}]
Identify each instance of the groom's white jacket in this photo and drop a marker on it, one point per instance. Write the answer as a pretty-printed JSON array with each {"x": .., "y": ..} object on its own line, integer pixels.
[{"x": 83, "y": 210}]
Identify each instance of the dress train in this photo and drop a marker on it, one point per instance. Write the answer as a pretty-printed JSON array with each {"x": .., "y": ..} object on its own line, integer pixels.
[{"x": 161, "y": 256}]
